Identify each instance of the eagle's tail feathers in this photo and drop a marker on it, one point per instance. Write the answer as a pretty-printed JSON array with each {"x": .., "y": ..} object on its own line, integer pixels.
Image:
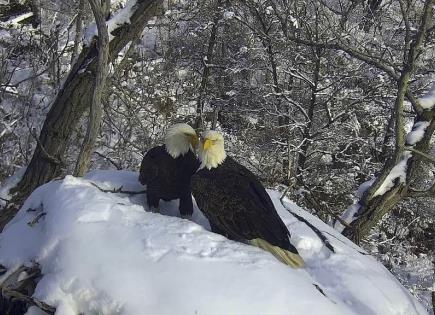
[{"x": 285, "y": 256}]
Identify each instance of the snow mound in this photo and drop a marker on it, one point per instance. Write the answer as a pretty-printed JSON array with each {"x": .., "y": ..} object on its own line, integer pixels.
[
  {"x": 427, "y": 101},
  {"x": 417, "y": 133},
  {"x": 120, "y": 18},
  {"x": 101, "y": 253}
]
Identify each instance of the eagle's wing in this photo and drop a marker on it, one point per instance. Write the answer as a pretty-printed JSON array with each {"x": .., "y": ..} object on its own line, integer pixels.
[
  {"x": 148, "y": 168},
  {"x": 270, "y": 225},
  {"x": 238, "y": 205}
]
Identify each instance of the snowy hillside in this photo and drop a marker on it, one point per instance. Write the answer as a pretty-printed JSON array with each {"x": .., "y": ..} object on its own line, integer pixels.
[{"x": 101, "y": 253}]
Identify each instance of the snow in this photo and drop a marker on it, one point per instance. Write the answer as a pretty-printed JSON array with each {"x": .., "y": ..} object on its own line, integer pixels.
[
  {"x": 294, "y": 21},
  {"x": 348, "y": 216},
  {"x": 33, "y": 310},
  {"x": 417, "y": 133},
  {"x": 14, "y": 22},
  {"x": 351, "y": 213},
  {"x": 243, "y": 50},
  {"x": 121, "y": 17},
  {"x": 101, "y": 253},
  {"x": 228, "y": 15},
  {"x": 20, "y": 75},
  {"x": 8, "y": 184},
  {"x": 363, "y": 187},
  {"x": 182, "y": 74},
  {"x": 427, "y": 101},
  {"x": 397, "y": 172}
]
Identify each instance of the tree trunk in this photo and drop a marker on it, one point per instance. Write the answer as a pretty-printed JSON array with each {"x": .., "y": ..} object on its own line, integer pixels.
[
  {"x": 79, "y": 30},
  {"x": 72, "y": 100},
  {"x": 95, "y": 112},
  {"x": 373, "y": 205},
  {"x": 199, "y": 124},
  {"x": 302, "y": 155}
]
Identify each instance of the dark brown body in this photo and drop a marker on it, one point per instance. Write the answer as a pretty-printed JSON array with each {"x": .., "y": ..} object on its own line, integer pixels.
[
  {"x": 238, "y": 206},
  {"x": 168, "y": 178}
]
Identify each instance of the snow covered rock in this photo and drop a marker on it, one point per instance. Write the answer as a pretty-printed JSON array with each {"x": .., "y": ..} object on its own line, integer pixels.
[{"x": 101, "y": 253}]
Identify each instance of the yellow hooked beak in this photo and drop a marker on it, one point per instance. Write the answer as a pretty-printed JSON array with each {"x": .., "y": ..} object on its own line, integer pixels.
[
  {"x": 207, "y": 144},
  {"x": 193, "y": 139}
]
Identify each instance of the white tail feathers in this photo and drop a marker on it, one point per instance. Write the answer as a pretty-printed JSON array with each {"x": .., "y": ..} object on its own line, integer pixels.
[{"x": 284, "y": 256}]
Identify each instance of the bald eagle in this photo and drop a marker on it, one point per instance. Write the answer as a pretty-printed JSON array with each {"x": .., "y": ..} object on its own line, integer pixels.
[
  {"x": 236, "y": 203},
  {"x": 166, "y": 169}
]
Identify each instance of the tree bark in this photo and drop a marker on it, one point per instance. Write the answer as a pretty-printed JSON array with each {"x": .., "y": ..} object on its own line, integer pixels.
[
  {"x": 71, "y": 101},
  {"x": 373, "y": 208},
  {"x": 199, "y": 124},
  {"x": 95, "y": 112},
  {"x": 372, "y": 205},
  {"x": 79, "y": 30}
]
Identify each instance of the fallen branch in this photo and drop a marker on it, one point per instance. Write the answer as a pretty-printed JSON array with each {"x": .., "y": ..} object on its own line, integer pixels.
[
  {"x": 29, "y": 300},
  {"x": 322, "y": 237},
  {"x": 118, "y": 190},
  {"x": 334, "y": 215},
  {"x": 16, "y": 289},
  {"x": 348, "y": 245},
  {"x": 36, "y": 219}
]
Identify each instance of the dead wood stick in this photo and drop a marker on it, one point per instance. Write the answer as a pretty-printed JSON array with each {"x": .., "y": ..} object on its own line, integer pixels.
[{"x": 118, "y": 190}]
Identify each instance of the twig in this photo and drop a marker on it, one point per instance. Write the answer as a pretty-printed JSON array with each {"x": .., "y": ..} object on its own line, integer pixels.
[
  {"x": 11, "y": 287},
  {"x": 332, "y": 235},
  {"x": 427, "y": 156},
  {"x": 118, "y": 190},
  {"x": 36, "y": 219},
  {"x": 16, "y": 84},
  {"x": 422, "y": 193},
  {"x": 392, "y": 238},
  {"x": 433, "y": 301},
  {"x": 30, "y": 300},
  {"x": 118, "y": 167}
]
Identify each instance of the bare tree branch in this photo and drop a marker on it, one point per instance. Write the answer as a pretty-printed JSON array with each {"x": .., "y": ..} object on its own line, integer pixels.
[{"x": 96, "y": 111}]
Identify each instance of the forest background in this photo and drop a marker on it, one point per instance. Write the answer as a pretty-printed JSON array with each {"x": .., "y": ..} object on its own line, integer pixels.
[{"x": 317, "y": 97}]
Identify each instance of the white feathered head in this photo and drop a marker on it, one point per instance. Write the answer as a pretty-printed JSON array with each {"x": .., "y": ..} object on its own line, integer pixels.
[
  {"x": 211, "y": 151},
  {"x": 179, "y": 139}
]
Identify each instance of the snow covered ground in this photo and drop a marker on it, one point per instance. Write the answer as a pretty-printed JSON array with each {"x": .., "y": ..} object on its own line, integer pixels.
[{"x": 101, "y": 253}]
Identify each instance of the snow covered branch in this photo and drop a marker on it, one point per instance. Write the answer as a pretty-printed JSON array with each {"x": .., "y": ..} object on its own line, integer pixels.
[{"x": 17, "y": 287}]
